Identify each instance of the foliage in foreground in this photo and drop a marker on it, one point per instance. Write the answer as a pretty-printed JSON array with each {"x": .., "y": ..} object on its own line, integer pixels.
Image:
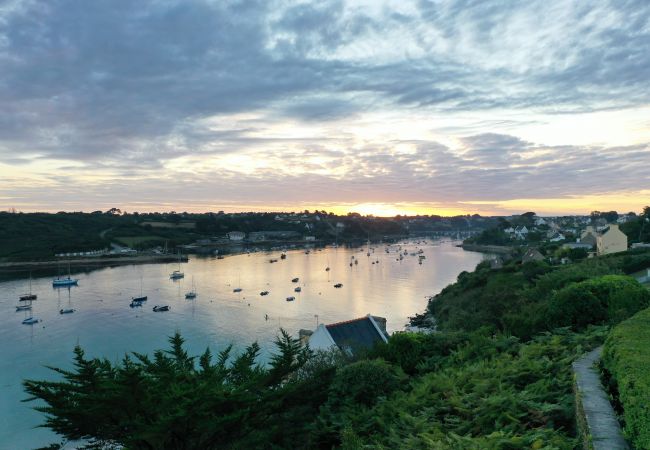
[
  {"x": 626, "y": 358},
  {"x": 457, "y": 390}
]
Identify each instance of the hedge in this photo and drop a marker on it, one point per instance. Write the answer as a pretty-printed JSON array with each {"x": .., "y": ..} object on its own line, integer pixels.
[{"x": 627, "y": 359}]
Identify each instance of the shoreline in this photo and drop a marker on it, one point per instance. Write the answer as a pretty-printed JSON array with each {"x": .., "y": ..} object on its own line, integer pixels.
[
  {"x": 500, "y": 249},
  {"x": 100, "y": 261}
]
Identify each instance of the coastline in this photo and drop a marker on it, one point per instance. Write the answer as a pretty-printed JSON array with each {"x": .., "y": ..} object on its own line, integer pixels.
[
  {"x": 101, "y": 261},
  {"x": 500, "y": 249}
]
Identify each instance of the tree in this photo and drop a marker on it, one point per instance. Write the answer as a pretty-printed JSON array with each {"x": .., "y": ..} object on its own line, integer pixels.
[{"x": 174, "y": 400}]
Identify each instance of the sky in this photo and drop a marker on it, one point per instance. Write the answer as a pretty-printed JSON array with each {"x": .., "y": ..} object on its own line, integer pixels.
[{"x": 379, "y": 107}]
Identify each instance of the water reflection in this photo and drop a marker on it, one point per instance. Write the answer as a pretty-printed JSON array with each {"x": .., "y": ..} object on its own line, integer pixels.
[{"x": 104, "y": 324}]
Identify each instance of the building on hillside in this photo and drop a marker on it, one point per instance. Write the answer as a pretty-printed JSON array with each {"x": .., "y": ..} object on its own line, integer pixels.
[
  {"x": 310, "y": 238},
  {"x": 521, "y": 233},
  {"x": 532, "y": 254},
  {"x": 236, "y": 235},
  {"x": 350, "y": 336},
  {"x": 612, "y": 240},
  {"x": 582, "y": 245},
  {"x": 589, "y": 236}
]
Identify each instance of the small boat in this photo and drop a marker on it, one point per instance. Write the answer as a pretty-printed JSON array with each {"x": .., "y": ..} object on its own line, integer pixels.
[
  {"x": 23, "y": 307},
  {"x": 64, "y": 281},
  {"x": 327, "y": 269},
  {"x": 290, "y": 299},
  {"x": 135, "y": 303},
  {"x": 67, "y": 281},
  {"x": 30, "y": 296},
  {"x": 356, "y": 261},
  {"x": 338, "y": 285},
  {"x": 350, "y": 264},
  {"x": 30, "y": 321},
  {"x": 139, "y": 299},
  {"x": 264, "y": 293},
  {"x": 66, "y": 311},
  {"x": 176, "y": 274},
  {"x": 298, "y": 289},
  {"x": 295, "y": 280},
  {"x": 283, "y": 256},
  {"x": 273, "y": 261},
  {"x": 160, "y": 308},
  {"x": 237, "y": 290},
  {"x": 192, "y": 294}
]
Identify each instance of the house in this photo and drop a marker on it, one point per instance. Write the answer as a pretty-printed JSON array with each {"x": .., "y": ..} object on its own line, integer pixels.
[
  {"x": 612, "y": 240},
  {"x": 557, "y": 238},
  {"x": 589, "y": 236},
  {"x": 539, "y": 221},
  {"x": 532, "y": 254},
  {"x": 236, "y": 235},
  {"x": 350, "y": 336},
  {"x": 521, "y": 232}
]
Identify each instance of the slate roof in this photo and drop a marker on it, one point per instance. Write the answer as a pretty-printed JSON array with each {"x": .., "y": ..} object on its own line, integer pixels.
[{"x": 355, "y": 334}]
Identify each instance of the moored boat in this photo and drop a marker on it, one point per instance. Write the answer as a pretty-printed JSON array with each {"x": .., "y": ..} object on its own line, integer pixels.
[
  {"x": 298, "y": 289},
  {"x": 338, "y": 285},
  {"x": 290, "y": 299},
  {"x": 158, "y": 308},
  {"x": 30, "y": 321},
  {"x": 295, "y": 280},
  {"x": 66, "y": 311},
  {"x": 264, "y": 293},
  {"x": 23, "y": 307}
]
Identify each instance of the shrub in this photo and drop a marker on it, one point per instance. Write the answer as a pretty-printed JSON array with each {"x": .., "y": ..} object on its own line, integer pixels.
[
  {"x": 625, "y": 357},
  {"x": 603, "y": 300}
]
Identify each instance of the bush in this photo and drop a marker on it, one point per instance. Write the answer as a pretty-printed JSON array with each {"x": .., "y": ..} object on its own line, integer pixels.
[
  {"x": 625, "y": 357},
  {"x": 604, "y": 300}
]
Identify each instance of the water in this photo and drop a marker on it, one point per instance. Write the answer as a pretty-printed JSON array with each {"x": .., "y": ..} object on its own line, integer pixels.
[{"x": 104, "y": 325}]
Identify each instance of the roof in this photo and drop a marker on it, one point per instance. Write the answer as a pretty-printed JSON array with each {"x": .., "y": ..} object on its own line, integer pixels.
[{"x": 355, "y": 334}]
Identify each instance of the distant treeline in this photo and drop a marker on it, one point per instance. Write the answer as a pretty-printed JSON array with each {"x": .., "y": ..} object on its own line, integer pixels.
[{"x": 37, "y": 236}]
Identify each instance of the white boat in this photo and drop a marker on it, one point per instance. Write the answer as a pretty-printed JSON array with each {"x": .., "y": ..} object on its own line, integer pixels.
[
  {"x": 67, "y": 281},
  {"x": 23, "y": 307},
  {"x": 30, "y": 321},
  {"x": 176, "y": 274}
]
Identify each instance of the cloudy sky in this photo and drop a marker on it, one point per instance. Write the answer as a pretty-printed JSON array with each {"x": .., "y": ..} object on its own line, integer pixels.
[{"x": 382, "y": 107}]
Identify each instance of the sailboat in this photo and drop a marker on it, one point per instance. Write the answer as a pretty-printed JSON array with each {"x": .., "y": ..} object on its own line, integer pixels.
[
  {"x": 238, "y": 289},
  {"x": 192, "y": 294},
  {"x": 69, "y": 309},
  {"x": 29, "y": 296},
  {"x": 176, "y": 274},
  {"x": 68, "y": 281},
  {"x": 142, "y": 298}
]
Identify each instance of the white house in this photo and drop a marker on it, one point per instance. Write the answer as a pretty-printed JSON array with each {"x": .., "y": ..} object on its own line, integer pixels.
[
  {"x": 236, "y": 235},
  {"x": 356, "y": 334}
]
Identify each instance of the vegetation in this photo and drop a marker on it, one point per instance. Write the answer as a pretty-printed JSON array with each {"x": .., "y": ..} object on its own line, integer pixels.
[
  {"x": 496, "y": 376},
  {"x": 625, "y": 358},
  {"x": 526, "y": 299},
  {"x": 39, "y": 236}
]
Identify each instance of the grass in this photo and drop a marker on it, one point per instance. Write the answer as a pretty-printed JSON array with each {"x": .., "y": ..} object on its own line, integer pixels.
[{"x": 626, "y": 357}]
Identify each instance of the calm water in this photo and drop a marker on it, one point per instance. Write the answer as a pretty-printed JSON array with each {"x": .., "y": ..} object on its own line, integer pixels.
[{"x": 104, "y": 324}]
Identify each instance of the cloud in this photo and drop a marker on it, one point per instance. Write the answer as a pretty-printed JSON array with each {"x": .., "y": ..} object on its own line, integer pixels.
[{"x": 331, "y": 97}]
